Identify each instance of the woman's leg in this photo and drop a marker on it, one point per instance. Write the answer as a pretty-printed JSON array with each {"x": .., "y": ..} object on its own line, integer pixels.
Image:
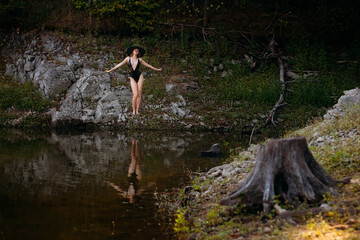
[
  {"x": 139, "y": 91},
  {"x": 137, "y": 157},
  {"x": 134, "y": 89},
  {"x": 132, "y": 167}
]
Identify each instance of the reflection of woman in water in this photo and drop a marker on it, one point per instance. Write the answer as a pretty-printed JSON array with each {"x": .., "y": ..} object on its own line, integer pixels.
[
  {"x": 133, "y": 176},
  {"x": 134, "y": 173}
]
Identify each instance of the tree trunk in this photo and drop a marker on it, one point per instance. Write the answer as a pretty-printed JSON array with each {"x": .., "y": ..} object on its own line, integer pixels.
[
  {"x": 284, "y": 167},
  {"x": 205, "y": 22}
]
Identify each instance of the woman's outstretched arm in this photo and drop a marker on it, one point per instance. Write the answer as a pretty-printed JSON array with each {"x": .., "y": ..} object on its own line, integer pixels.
[
  {"x": 119, "y": 65},
  {"x": 149, "y": 66}
]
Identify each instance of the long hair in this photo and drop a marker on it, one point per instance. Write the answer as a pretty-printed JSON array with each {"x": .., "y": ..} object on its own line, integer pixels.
[{"x": 132, "y": 53}]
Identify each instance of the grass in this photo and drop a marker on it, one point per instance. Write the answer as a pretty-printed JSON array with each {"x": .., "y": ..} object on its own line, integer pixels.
[
  {"x": 21, "y": 97},
  {"x": 22, "y": 101},
  {"x": 338, "y": 156}
]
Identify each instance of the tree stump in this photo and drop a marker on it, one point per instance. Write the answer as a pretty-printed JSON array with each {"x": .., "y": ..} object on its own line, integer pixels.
[{"x": 284, "y": 167}]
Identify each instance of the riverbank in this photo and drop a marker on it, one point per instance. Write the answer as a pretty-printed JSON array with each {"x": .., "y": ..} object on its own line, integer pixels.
[
  {"x": 334, "y": 142},
  {"x": 197, "y": 94},
  {"x": 68, "y": 71}
]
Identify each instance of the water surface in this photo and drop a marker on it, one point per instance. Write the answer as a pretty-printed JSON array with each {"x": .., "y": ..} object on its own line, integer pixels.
[{"x": 95, "y": 185}]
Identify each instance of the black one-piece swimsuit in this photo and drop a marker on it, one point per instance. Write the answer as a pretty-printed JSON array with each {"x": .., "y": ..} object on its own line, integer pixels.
[{"x": 135, "y": 74}]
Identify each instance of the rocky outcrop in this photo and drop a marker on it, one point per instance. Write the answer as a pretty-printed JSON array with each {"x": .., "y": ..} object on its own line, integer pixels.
[
  {"x": 92, "y": 99},
  {"x": 87, "y": 94},
  {"x": 348, "y": 100}
]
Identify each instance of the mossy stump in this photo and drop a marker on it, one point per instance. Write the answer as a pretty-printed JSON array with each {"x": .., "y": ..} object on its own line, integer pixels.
[{"x": 284, "y": 168}]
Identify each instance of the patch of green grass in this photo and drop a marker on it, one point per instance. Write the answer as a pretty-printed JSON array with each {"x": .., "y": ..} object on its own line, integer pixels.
[
  {"x": 156, "y": 87},
  {"x": 22, "y": 97},
  {"x": 16, "y": 100}
]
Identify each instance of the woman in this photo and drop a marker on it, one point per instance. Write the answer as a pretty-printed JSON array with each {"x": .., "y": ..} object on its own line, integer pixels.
[{"x": 136, "y": 78}]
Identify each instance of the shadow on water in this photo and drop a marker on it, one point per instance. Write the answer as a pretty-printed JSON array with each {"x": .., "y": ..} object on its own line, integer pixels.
[{"x": 95, "y": 185}]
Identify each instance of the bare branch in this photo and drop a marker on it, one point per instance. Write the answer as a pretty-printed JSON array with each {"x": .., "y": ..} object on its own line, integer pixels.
[{"x": 279, "y": 103}]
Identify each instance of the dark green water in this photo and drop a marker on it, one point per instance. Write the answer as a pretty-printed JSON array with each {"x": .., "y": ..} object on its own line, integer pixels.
[{"x": 95, "y": 185}]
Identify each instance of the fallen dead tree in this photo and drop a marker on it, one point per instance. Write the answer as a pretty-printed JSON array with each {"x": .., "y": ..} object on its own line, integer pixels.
[
  {"x": 284, "y": 168},
  {"x": 283, "y": 83}
]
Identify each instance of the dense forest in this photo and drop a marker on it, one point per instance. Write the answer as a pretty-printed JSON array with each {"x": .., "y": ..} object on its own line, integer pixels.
[{"x": 330, "y": 22}]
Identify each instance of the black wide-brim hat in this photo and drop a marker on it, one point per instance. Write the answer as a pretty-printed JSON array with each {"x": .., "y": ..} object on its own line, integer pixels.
[{"x": 131, "y": 49}]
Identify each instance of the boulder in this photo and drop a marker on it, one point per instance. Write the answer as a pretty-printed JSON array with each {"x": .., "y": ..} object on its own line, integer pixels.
[
  {"x": 176, "y": 107},
  {"x": 92, "y": 99},
  {"x": 214, "y": 151},
  {"x": 51, "y": 44},
  {"x": 52, "y": 79},
  {"x": 29, "y": 66},
  {"x": 349, "y": 99}
]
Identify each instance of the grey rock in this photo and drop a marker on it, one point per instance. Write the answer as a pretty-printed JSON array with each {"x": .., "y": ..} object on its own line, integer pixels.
[
  {"x": 267, "y": 230},
  {"x": 228, "y": 167},
  {"x": 214, "y": 151},
  {"x": 61, "y": 59},
  {"x": 234, "y": 62},
  {"x": 211, "y": 61},
  {"x": 182, "y": 102},
  {"x": 29, "y": 66},
  {"x": 10, "y": 70},
  {"x": 177, "y": 110},
  {"x": 191, "y": 86},
  {"x": 51, "y": 44},
  {"x": 31, "y": 58},
  {"x": 52, "y": 79},
  {"x": 171, "y": 88},
  {"x": 214, "y": 169},
  {"x": 71, "y": 64},
  {"x": 92, "y": 99},
  {"x": 348, "y": 100},
  {"x": 226, "y": 174},
  {"x": 293, "y": 75},
  {"x": 215, "y": 174}
]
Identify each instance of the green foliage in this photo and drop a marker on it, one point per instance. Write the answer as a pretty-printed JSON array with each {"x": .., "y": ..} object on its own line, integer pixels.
[
  {"x": 139, "y": 15},
  {"x": 22, "y": 97},
  {"x": 212, "y": 217},
  {"x": 188, "y": 9},
  {"x": 181, "y": 227}
]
